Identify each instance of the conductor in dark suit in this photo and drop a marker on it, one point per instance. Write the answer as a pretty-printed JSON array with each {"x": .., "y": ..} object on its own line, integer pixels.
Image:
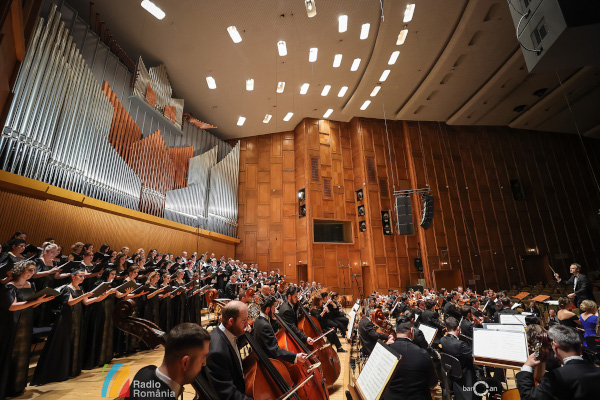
[
  {"x": 577, "y": 379},
  {"x": 186, "y": 348},
  {"x": 287, "y": 312},
  {"x": 582, "y": 287},
  {"x": 415, "y": 375},
  {"x": 224, "y": 362},
  {"x": 452, "y": 345},
  {"x": 265, "y": 335}
]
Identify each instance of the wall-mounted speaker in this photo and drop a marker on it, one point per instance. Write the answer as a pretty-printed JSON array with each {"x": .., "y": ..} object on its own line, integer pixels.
[
  {"x": 427, "y": 203},
  {"x": 517, "y": 190},
  {"x": 361, "y": 211},
  {"x": 404, "y": 212},
  {"x": 386, "y": 223},
  {"x": 418, "y": 264},
  {"x": 359, "y": 195},
  {"x": 362, "y": 226}
]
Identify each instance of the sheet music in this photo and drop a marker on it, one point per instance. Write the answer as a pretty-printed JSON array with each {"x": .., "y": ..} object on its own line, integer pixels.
[
  {"x": 376, "y": 373},
  {"x": 429, "y": 332},
  {"x": 552, "y": 302},
  {"x": 515, "y": 306},
  {"x": 352, "y": 317},
  {"x": 512, "y": 319},
  {"x": 500, "y": 345},
  {"x": 356, "y": 306},
  {"x": 505, "y": 327}
]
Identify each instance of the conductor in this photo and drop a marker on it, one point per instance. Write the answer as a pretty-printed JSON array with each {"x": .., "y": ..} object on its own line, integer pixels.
[{"x": 582, "y": 287}]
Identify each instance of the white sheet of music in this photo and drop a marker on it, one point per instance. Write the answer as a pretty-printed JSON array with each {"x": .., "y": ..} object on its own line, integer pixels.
[
  {"x": 376, "y": 373},
  {"x": 505, "y": 327},
  {"x": 352, "y": 317},
  {"x": 500, "y": 345},
  {"x": 429, "y": 332},
  {"x": 512, "y": 319}
]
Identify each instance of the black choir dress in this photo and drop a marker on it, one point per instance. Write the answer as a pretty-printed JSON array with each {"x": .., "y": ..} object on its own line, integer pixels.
[
  {"x": 94, "y": 316},
  {"x": 9, "y": 321},
  {"x": 178, "y": 305},
  {"x": 43, "y": 314},
  {"x": 165, "y": 320},
  {"x": 152, "y": 308},
  {"x": 61, "y": 356},
  {"x": 107, "y": 348}
]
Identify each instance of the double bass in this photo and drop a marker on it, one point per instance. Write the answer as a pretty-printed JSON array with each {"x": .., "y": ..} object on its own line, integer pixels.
[{"x": 330, "y": 361}]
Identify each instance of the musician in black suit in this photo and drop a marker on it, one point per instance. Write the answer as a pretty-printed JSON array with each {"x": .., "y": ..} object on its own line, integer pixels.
[
  {"x": 577, "y": 379},
  {"x": 369, "y": 335},
  {"x": 419, "y": 338},
  {"x": 450, "y": 307},
  {"x": 533, "y": 309},
  {"x": 582, "y": 287},
  {"x": 231, "y": 288},
  {"x": 452, "y": 345},
  {"x": 415, "y": 375},
  {"x": 432, "y": 318},
  {"x": 224, "y": 363},
  {"x": 506, "y": 309},
  {"x": 186, "y": 348},
  {"x": 288, "y": 313},
  {"x": 265, "y": 335}
]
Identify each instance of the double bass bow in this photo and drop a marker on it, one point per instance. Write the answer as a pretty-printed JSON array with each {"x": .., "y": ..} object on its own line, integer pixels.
[{"x": 153, "y": 336}]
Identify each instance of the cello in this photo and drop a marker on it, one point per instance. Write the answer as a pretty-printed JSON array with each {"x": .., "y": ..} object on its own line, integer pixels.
[
  {"x": 316, "y": 388},
  {"x": 153, "y": 336},
  {"x": 330, "y": 361}
]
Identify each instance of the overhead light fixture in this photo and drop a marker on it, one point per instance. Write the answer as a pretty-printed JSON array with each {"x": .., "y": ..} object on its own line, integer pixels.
[
  {"x": 343, "y": 91},
  {"x": 364, "y": 31},
  {"x": 355, "y": 64},
  {"x": 267, "y": 119},
  {"x": 304, "y": 88},
  {"x": 328, "y": 113},
  {"x": 337, "y": 60},
  {"x": 241, "y": 121},
  {"x": 282, "y": 48},
  {"x": 280, "y": 87},
  {"x": 325, "y": 90},
  {"x": 249, "y": 84},
  {"x": 301, "y": 195},
  {"x": 153, "y": 9},
  {"x": 311, "y": 9},
  {"x": 375, "y": 91},
  {"x": 365, "y": 105},
  {"x": 384, "y": 76},
  {"x": 402, "y": 37},
  {"x": 408, "y": 13},
  {"x": 312, "y": 54},
  {"x": 210, "y": 81},
  {"x": 342, "y": 23},
  {"x": 235, "y": 35},
  {"x": 394, "y": 57},
  {"x": 288, "y": 116}
]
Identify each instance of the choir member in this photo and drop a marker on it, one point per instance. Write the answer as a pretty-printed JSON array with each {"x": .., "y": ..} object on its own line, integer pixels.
[
  {"x": 76, "y": 252},
  {"x": 166, "y": 320},
  {"x": 180, "y": 299},
  {"x": 152, "y": 303},
  {"x": 16, "y": 315},
  {"x": 12, "y": 257}
]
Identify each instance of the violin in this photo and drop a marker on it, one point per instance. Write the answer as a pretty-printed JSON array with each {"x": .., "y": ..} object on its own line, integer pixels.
[
  {"x": 153, "y": 336},
  {"x": 330, "y": 361}
]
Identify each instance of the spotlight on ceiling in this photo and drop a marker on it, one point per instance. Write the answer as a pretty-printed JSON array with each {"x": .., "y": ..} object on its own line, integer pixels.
[
  {"x": 375, "y": 91},
  {"x": 355, "y": 64},
  {"x": 325, "y": 90},
  {"x": 301, "y": 194},
  {"x": 359, "y": 195},
  {"x": 362, "y": 226},
  {"x": 311, "y": 9},
  {"x": 364, "y": 31},
  {"x": 304, "y": 88},
  {"x": 365, "y": 105},
  {"x": 249, "y": 84},
  {"x": 153, "y": 9},
  {"x": 343, "y": 91},
  {"x": 282, "y": 48},
  {"x": 337, "y": 60},
  {"x": 267, "y": 118},
  {"x": 280, "y": 87},
  {"x": 343, "y": 23},
  {"x": 402, "y": 36},
  {"x": 408, "y": 13},
  {"x": 210, "y": 81},
  {"x": 394, "y": 57},
  {"x": 312, "y": 54},
  {"x": 384, "y": 75},
  {"x": 328, "y": 113},
  {"x": 241, "y": 121},
  {"x": 235, "y": 35},
  {"x": 288, "y": 116}
]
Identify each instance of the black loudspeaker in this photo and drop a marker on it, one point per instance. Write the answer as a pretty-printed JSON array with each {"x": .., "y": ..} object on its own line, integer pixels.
[
  {"x": 361, "y": 211},
  {"x": 359, "y": 195},
  {"x": 427, "y": 219},
  {"x": 419, "y": 264},
  {"x": 517, "y": 190},
  {"x": 362, "y": 226},
  {"x": 386, "y": 223},
  {"x": 404, "y": 212}
]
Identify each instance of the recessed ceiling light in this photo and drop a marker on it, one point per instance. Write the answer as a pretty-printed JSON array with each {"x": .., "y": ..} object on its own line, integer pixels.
[
  {"x": 337, "y": 60},
  {"x": 288, "y": 116},
  {"x": 402, "y": 36},
  {"x": 311, "y": 8},
  {"x": 267, "y": 119},
  {"x": 235, "y": 35},
  {"x": 394, "y": 57},
  {"x": 326, "y": 89},
  {"x": 312, "y": 54},
  {"x": 364, "y": 31},
  {"x": 153, "y": 9},
  {"x": 365, "y": 105},
  {"x": 384, "y": 76},
  {"x": 343, "y": 91},
  {"x": 280, "y": 87},
  {"x": 282, "y": 48},
  {"x": 328, "y": 113},
  {"x": 249, "y": 84},
  {"x": 210, "y": 81},
  {"x": 408, "y": 13},
  {"x": 343, "y": 23},
  {"x": 304, "y": 88},
  {"x": 355, "y": 64},
  {"x": 241, "y": 121},
  {"x": 375, "y": 91}
]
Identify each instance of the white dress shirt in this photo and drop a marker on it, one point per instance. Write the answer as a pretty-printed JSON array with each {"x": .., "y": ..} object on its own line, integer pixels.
[
  {"x": 233, "y": 340},
  {"x": 174, "y": 386}
]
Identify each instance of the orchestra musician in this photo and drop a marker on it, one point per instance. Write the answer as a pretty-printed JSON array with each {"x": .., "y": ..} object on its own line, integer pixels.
[
  {"x": 288, "y": 312},
  {"x": 369, "y": 335},
  {"x": 224, "y": 362},
  {"x": 582, "y": 287},
  {"x": 450, "y": 306},
  {"x": 506, "y": 309},
  {"x": 317, "y": 312},
  {"x": 336, "y": 313},
  {"x": 452, "y": 345},
  {"x": 466, "y": 322},
  {"x": 186, "y": 349}
]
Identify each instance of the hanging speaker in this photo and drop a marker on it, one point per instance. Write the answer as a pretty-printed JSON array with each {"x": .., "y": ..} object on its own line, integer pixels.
[
  {"x": 404, "y": 212},
  {"x": 427, "y": 203},
  {"x": 418, "y": 264}
]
